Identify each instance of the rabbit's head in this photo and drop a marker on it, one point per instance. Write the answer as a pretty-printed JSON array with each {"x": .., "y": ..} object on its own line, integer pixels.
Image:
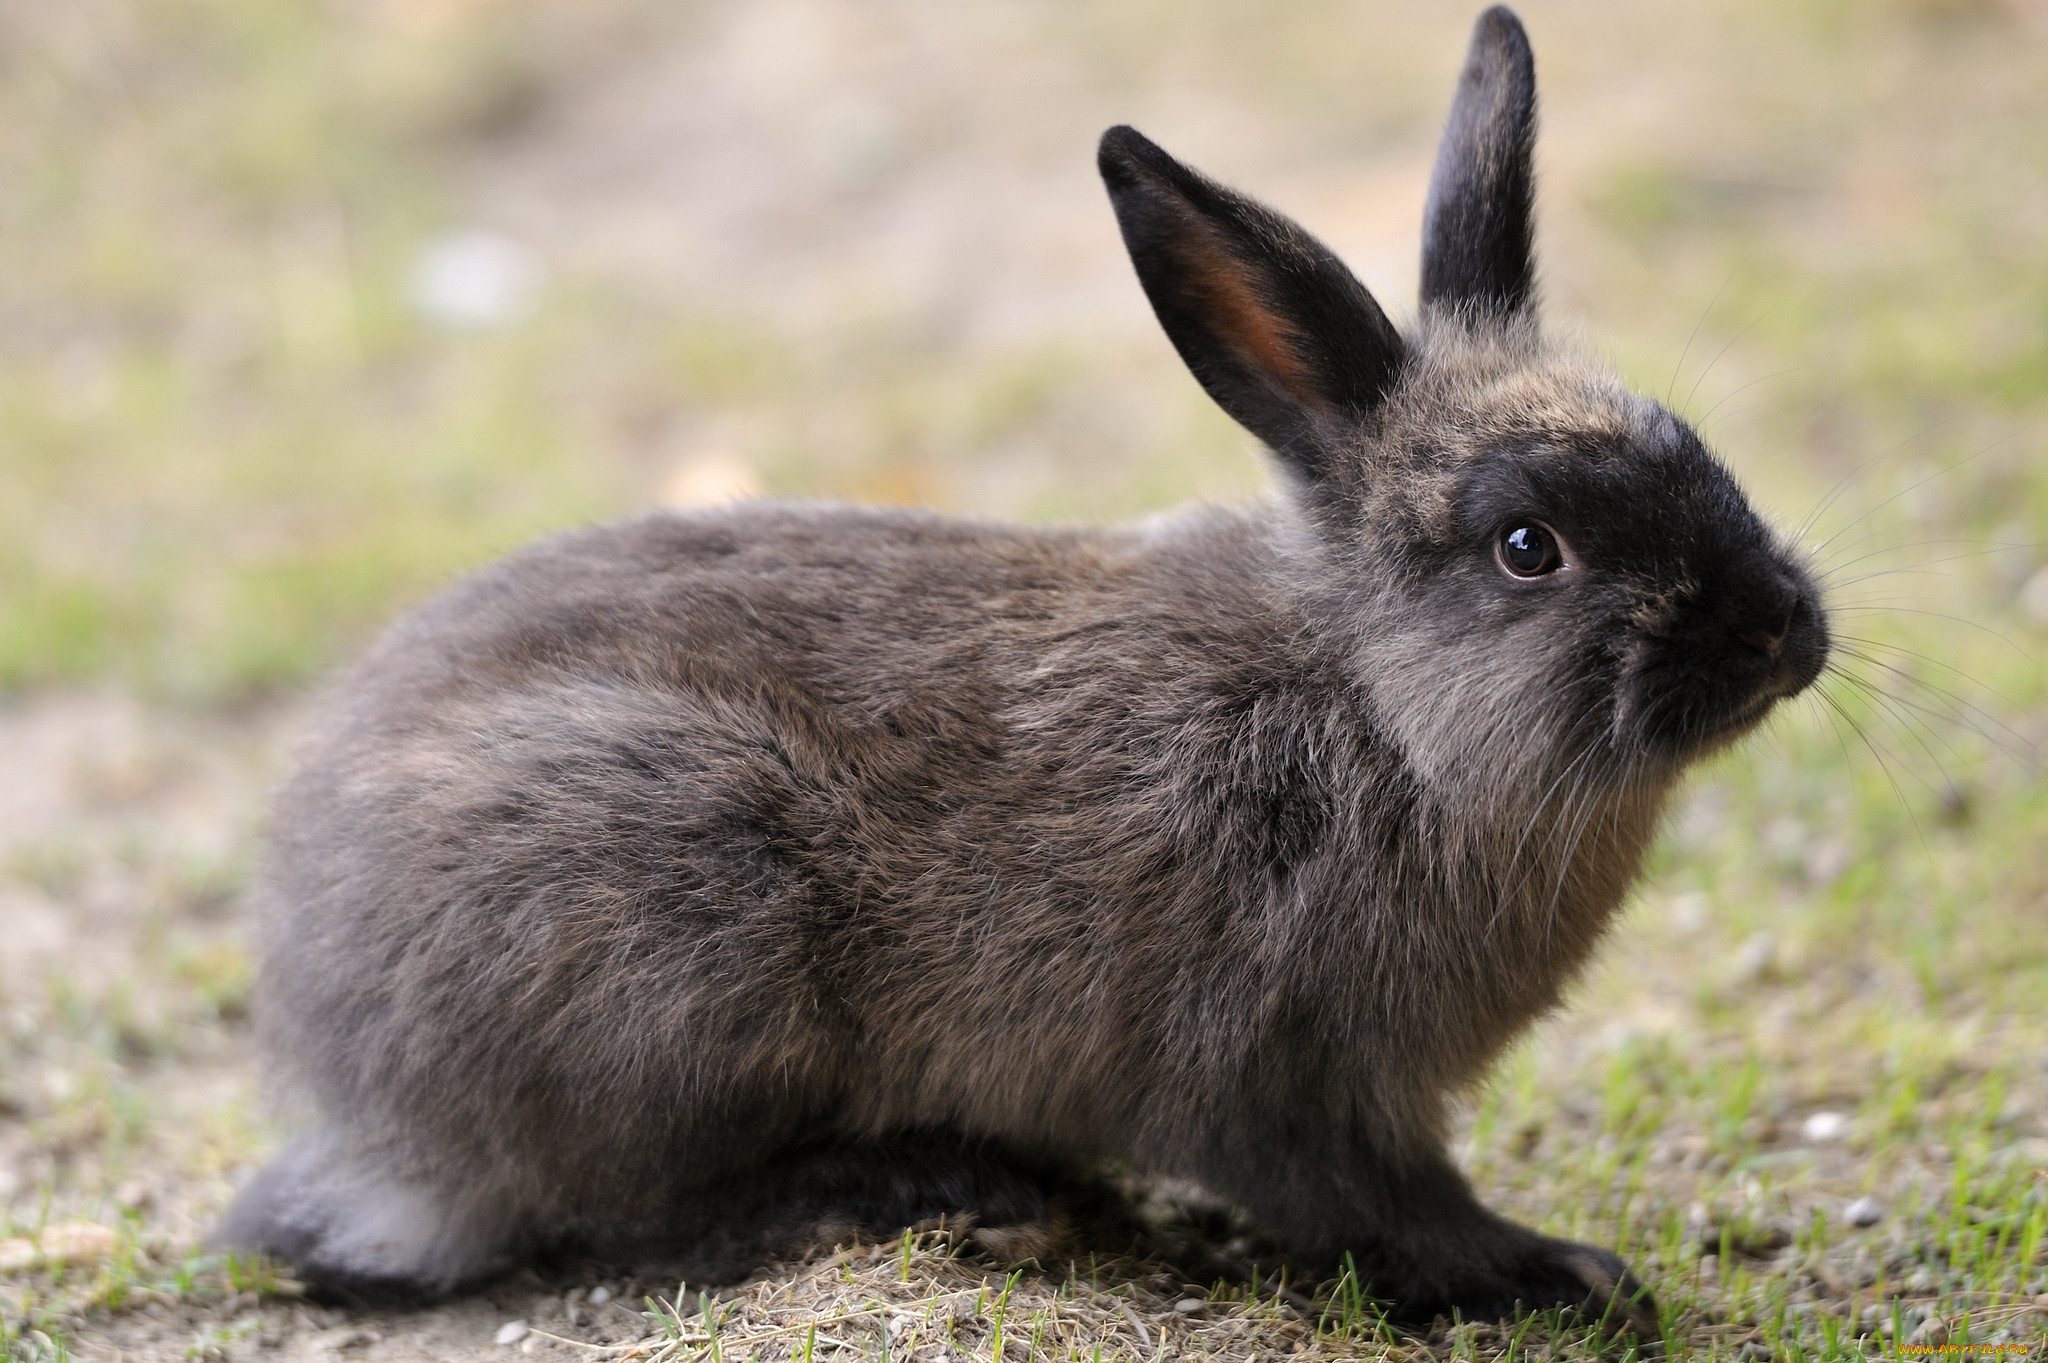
[{"x": 1529, "y": 566}]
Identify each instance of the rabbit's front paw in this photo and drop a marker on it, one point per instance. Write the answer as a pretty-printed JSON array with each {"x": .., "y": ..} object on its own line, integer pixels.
[
  {"x": 1591, "y": 1282},
  {"x": 1526, "y": 1275}
]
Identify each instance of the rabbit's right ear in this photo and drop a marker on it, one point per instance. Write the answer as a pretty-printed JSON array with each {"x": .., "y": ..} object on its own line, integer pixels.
[
  {"x": 1479, "y": 228},
  {"x": 1272, "y": 324}
]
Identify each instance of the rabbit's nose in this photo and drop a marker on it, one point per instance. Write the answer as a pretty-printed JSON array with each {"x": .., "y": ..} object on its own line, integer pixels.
[{"x": 1766, "y": 639}]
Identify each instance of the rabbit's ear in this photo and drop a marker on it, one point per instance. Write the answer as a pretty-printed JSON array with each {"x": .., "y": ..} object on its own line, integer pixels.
[
  {"x": 1271, "y": 323},
  {"x": 1478, "y": 229}
]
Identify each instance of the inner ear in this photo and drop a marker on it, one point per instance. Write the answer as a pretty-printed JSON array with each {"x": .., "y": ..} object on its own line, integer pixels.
[
  {"x": 1267, "y": 318},
  {"x": 1226, "y": 290}
]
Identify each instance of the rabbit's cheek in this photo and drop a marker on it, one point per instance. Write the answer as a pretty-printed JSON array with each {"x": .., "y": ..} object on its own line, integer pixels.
[{"x": 1502, "y": 707}]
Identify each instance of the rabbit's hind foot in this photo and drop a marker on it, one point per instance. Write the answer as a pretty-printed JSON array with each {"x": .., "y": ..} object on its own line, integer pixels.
[{"x": 355, "y": 1234}]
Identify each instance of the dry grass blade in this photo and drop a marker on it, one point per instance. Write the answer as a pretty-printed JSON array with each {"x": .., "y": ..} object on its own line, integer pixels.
[{"x": 922, "y": 1297}]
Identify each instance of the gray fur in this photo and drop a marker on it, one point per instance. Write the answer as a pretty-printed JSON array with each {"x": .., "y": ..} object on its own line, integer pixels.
[{"x": 737, "y": 849}]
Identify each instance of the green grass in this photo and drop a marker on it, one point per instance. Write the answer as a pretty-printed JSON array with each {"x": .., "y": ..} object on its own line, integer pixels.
[{"x": 135, "y": 1275}]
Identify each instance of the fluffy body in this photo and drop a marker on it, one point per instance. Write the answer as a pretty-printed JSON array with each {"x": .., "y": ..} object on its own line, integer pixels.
[{"x": 683, "y": 882}]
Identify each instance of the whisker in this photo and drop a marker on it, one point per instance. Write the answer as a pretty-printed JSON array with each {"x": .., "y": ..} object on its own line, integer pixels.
[
  {"x": 1831, "y": 714},
  {"x": 1961, "y": 711},
  {"x": 1568, "y": 816},
  {"x": 1883, "y": 766},
  {"x": 1842, "y": 485},
  {"x": 1893, "y": 608},
  {"x": 1855, "y": 644},
  {"x": 1583, "y": 822},
  {"x": 1578, "y": 772},
  {"x": 2005, "y": 439},
  {"x": 1777, "y": 374},
  {"x": 1672, "y": 382},
  {"x": 1903, "y": 718},
  {"x": 1862, "y": 641},
  {"x": 1903, "y": 570},
  {"x": 1979, "y": 549},
  {"x": 1748, "y": 327},
  {"x": 1509, "y": 883}
]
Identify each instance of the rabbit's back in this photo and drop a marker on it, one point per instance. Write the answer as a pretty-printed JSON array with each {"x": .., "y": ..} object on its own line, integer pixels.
[{"x": 684, "y": 840}]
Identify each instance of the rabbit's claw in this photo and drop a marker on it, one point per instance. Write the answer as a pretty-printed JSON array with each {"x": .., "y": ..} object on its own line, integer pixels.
[{"x": 1591, "y": 1283}]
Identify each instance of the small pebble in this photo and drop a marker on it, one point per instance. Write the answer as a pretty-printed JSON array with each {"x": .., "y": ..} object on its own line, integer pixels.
[
  {"x": 1754, "y": 958},
  {"x": 600, "y": 1295},
  {"x": 511, "y": 1332},
  {"x": 1932, "y": 1331},
  {"x": 343, "y": 1337},
  {"x": 1864, "y": 1211},
  {"x": 1823, "y": 1127},
  {"x": 474, "y": 279},
  {"x": 60, "y": 1245},
  {"x": 1187, "y": 1306}
]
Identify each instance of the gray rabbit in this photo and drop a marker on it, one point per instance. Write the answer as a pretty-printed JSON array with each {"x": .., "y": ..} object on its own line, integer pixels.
[{"x": 680, "y": 885}]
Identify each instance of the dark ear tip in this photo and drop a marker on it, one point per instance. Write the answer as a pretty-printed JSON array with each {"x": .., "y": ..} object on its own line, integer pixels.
[
  {"x": 1121, "y": 138},
  {"x": 1124, "y": 151},
  {"x": 1498, "y": 30},
  {"x": 1499, "y": 19}
]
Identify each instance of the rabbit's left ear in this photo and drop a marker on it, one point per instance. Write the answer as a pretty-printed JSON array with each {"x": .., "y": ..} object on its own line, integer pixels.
[
  {"x": 1272, "y": 324},
  {"x": 1478, "y": 231}
]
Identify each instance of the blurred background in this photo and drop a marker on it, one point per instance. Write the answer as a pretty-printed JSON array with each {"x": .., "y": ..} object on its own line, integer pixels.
[{"x": 307, "y": 307}]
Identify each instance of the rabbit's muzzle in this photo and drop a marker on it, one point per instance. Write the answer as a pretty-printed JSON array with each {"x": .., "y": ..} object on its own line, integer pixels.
[{"x": 1714, "y": 662}]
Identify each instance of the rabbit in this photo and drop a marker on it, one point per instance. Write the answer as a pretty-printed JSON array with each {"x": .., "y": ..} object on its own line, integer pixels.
[{"x": 684, "y": 884}]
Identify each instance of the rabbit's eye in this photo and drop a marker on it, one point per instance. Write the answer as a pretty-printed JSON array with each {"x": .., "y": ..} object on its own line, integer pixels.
[{"x": 1529, "y": 551}]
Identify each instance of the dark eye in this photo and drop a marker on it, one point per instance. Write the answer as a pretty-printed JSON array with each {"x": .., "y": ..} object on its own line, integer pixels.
[{"x": 1529, "y": 551}]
